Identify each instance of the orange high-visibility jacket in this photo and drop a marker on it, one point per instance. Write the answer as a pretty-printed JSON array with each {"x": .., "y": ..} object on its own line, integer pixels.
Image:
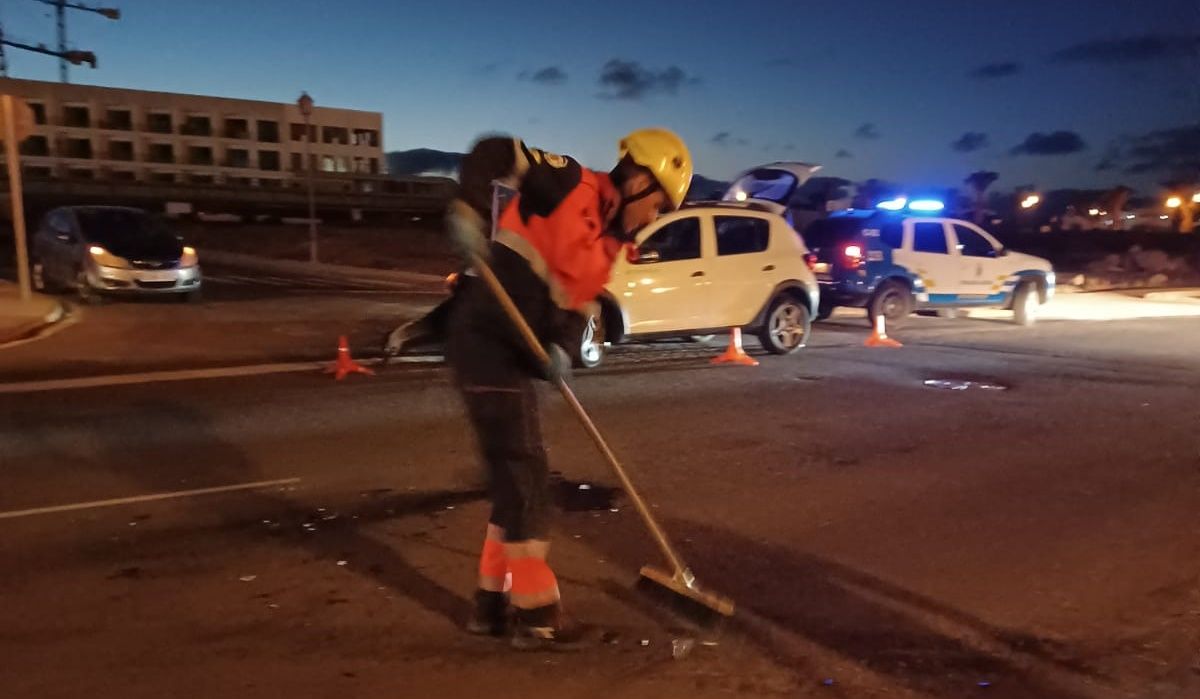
[{"x": 556, "y": 221}]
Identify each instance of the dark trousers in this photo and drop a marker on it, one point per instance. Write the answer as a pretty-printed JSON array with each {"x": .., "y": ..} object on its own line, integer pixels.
[{"x": 495, "y": 372}]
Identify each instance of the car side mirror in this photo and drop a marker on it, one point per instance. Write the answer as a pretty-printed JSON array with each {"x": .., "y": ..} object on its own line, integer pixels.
[{"x": 645, "y": 257}]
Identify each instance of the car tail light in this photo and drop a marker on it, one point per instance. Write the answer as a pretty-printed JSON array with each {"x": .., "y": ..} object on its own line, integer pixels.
[
  {"x": 853, "y": 256},
  {"x": 811, "y": 260}
]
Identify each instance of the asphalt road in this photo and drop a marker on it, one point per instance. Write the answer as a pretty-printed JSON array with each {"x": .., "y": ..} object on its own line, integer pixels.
[
  {"x": 244, "y": 319},
  {"x": 882, "y": 538}
]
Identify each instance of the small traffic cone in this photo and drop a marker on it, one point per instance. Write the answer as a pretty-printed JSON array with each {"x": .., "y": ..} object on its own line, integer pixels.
[
  {"x": 345, "y": 365},
  {"x": 879, "y": 336},
  {"x": 734, "y": 354}
]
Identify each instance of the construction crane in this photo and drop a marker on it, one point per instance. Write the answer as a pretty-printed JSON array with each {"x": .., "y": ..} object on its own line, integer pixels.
[
  {"x": 75, "y": 57},
  {"x": 64, "y": 56}
]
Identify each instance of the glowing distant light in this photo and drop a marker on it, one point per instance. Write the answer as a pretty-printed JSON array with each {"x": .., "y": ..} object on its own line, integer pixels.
[
  {"x": 1031, "y": 201},
  {"x": 1093, "y": 212},
  {"x": 97, "y": 250},
  {"x": 1196, "y": 198},
  {"x": 893, "y": 204},
  {"x": 1174, "y": 203},
  {"x": 927, "y": 205},
  {"x": 853, "y": 251},
  {"x": 1163, "y": 217},
  {"x": 740, "y": 196}
]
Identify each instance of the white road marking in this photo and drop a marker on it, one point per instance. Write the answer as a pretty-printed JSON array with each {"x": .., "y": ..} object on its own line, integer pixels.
[
  {"x": 13, "y": 514},
  {"x": 192, "y": 375}
]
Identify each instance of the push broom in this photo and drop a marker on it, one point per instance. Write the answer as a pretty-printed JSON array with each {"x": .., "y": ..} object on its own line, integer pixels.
[{"x": 679, "y": 581}]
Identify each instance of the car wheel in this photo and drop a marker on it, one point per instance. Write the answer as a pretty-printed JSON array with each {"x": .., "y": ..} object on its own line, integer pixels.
[
  {"x": 786, "y": 327},
  {"x": 1026, "y": 303},
  {"x": 893, "y": 301},
  {"x": 587, "y": 341},
  {"x": 84, "y": 289}
]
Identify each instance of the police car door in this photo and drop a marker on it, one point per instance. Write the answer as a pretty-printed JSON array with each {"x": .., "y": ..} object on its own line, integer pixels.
[
  {"x": 981, "y": 275},
  {"x": 926, "y": 254}
]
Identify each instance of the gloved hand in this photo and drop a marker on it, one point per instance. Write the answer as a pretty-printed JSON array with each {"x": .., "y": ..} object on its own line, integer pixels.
[
  {"x": 560, "y": 364},
  {"x": 466, "y": 228}
]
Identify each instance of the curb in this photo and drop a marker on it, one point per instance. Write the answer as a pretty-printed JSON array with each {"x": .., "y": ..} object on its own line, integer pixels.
[
  {"x": 1173, "y": 295},
  {"x": 32, "y": 328},
  {"x": 317, "y": 269}
]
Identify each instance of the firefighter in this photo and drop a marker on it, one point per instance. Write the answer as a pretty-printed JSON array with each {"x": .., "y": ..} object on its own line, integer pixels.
[{"x": 553, "y": 251}]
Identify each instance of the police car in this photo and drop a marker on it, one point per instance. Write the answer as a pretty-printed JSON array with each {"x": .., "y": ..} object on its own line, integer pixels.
[{"x": 903, "y": 258}]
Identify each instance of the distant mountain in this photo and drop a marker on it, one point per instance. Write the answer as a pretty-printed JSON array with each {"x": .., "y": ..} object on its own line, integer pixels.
[{"x": 427, "y": 161}]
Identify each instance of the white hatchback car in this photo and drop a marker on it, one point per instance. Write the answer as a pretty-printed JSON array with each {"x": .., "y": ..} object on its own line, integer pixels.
[{"x": 705, "y": 269}]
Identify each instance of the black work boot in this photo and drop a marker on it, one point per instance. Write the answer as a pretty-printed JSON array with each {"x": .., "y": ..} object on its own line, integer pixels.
[
  {"x": 548, "y": 628},
  {"x": 490, "y": 617}
]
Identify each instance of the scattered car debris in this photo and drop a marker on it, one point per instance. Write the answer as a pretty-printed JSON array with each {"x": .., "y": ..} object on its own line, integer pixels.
[
  {"x": 960, "y": 385},
  {"x": 682, "y": 647}
]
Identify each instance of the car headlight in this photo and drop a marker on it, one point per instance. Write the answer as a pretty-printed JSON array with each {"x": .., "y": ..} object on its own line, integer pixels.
[
  {"x": 190, "y": 258},
  {"x": 104, "y": 258}
]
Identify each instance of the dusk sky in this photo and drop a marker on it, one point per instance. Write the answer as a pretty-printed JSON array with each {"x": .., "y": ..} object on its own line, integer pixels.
[{"x": 922, "y": 92}]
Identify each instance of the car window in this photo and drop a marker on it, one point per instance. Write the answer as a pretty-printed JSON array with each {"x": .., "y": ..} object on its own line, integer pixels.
[
  {"x": 971, "y": 244},
  {"x": 678, "y": 240},
  {"x": 739, "y": 235},
  {"x": 892, "y": 234},
  {"x": 929, "y": 237}
]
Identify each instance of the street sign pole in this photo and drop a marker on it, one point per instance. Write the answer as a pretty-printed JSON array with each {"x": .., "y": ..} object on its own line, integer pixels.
[{"x": 13, "y": 157}]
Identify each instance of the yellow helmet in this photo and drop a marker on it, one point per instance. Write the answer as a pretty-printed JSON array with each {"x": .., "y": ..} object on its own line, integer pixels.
[{"x": 665, "y": 155}]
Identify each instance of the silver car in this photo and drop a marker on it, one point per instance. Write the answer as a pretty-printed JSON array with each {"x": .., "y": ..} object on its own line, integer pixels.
[{"x": 100, "y": 251}]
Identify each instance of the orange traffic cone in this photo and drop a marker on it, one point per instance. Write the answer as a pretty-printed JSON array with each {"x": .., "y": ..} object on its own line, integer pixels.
[
  {"x": 345, "y": 365},
  {"x": 734, "y": 354},
  {"x": 879, "y": 336}
]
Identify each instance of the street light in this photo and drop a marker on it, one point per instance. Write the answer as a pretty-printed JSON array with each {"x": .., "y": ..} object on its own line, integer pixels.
[
  {"x": 1174, "y": 203},
  {"x": 305, "y": 103}
]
